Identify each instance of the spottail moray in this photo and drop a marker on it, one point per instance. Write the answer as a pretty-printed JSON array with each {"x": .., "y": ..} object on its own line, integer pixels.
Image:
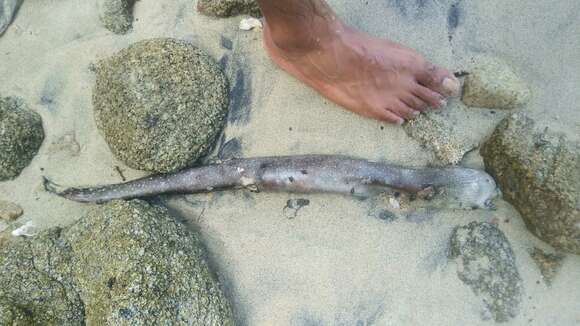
[{"x": 464, "y": 188}]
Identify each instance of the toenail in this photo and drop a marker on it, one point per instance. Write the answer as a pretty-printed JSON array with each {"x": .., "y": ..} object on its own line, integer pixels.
[
  {"x": 451, "y": 86},
  {"x": 415, "y": 113},
  {"x": 400, "y": 121},
  {"x": 442, "y": 103}
]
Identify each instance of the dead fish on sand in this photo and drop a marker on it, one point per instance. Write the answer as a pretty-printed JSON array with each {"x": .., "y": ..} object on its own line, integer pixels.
[{"x": 461, "y": 187}]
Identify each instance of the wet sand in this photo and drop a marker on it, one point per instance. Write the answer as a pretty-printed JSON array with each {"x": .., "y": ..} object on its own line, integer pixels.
[{"x": 337, "y": 262}]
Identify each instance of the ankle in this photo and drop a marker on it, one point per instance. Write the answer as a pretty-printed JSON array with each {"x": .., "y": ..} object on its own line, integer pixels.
[{"x": 303, "y": 39}]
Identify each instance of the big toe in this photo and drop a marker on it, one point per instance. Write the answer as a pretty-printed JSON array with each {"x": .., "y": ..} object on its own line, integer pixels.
[{"x": 439, "y": 80}]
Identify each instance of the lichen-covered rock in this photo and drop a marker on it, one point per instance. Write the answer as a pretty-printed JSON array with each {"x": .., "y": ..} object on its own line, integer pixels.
[
  {"x": 21, "y": 135},
  {"x": 160, "y": 104},
  {"x": 8, "y": 9},
  {"x": 486, "y": 263},
  {"x": 116, "y": 15},
  {"x": 13, "y": 315},
  {"x": 437, "y": 134},
  {"x": 125, "y": 263},
  {"x": 539, "y": 174},
  {"x": 134, "y": 264},
  {"x": 34, "y": 285},
  {"x": 228, "y": 8},
  {"x": 493, "y": 84}
]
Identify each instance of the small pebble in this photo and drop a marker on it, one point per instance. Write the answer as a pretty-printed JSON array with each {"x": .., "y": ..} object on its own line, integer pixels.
[
  {"x": 9, "y": 211},
  {"x": 493, "y": 84},
  {"x": 249, "y": 24},
  {"x": 27, "y": 230},
  {"x": 394, "y": 203}
]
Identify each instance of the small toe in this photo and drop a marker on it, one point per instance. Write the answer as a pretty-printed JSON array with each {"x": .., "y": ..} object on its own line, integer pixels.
[
  {"x": 415, "y": 102},
  {"x": 388, "y": 116},
  {"x": 439, "y": 79},
  {"x": 402, "y": 110},
  {"x": 428, "y": 96}
]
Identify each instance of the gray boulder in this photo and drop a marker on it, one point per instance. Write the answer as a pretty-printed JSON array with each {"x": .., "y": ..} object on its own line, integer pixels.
[
  {"x": 125, "y": 263},
  {"x": 228, "y": 8},
  {"x": 486, "y": 263},
  {"x": 21, "y": 135},
  {"x": 539, "y": 174},
  {"x": 160, "y": 104},
  {"x": 116, "y": 15},
  {"x": 35, "y": 283},
  {"x": 134, "y": 264}
]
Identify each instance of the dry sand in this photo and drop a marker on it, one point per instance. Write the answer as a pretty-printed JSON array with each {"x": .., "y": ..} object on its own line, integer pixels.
[{"x": 336, "y": 263}]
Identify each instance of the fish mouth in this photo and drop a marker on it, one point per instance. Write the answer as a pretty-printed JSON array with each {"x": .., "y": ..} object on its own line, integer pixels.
[{"x": 52, "y": 187}]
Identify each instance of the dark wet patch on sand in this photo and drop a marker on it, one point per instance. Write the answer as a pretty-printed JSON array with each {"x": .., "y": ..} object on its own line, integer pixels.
[
  {"x": 230, "y": 149},
  {"x": 454, "y": 17},
  {"x": 226, "y": 43},
  {"x": 50, "y": 93},
  {"x": 412, "y": 8},
  {"x": 240, "y": 81}
]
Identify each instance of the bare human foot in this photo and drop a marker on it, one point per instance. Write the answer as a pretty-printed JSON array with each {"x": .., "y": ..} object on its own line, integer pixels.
[{"x": 373, "y": 77}]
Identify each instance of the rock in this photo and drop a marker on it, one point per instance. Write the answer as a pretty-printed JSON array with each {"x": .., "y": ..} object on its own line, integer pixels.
[
  {"x": 228, "y": 8},
  {"x": 438, "y": 135},
  {"x": 293, "y": 206},
  {"x": 8, "y": 9},
  {"x": 22, "y": 135},
  {"x": 9, "y": 211},
  {"x": 135, "y": 264},
  {"x": 13, "y": 315},
  {"x": 486, "y": 263},
  {"x": 539, "y": 174},
  {"x": 34, "y": 283},
  {"x": 125, "y": 263},
  {"x": 116, "y": 15},
  {"x": 493, "y": 84},
  {"x": 160, "y": 104},
  {"x": 549, "y": 264}
]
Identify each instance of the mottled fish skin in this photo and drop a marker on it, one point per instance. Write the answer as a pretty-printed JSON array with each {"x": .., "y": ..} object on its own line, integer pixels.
[{"x": 464, "y": 188}]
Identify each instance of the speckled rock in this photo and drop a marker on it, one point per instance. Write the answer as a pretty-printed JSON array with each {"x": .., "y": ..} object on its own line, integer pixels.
[
  {"x": 134, "y": 264},
  {"x": 160, "y": 104},
  {"x": 437, "y": 134},
  {"x": 9, "y": 211},
  {"x": 549, "y": 264},
  {"x": 228, "y": 8},
  {"x": 13, "y": 315},
  {"x": 125, "y": 263},
  {"x": 35, "y": 287},
  {"x": 493, "y": 84},
  {"x": 21, "y": 136},
  {"x": 539, "y": 174},
  {"x": 8, "y": 9},
  {"x": 486, "y": 263},
  {"x": 116, "y": 15}
]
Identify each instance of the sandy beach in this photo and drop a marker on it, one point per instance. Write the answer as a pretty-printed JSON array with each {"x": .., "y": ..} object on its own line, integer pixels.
[{"x": 337, "y": 262}]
